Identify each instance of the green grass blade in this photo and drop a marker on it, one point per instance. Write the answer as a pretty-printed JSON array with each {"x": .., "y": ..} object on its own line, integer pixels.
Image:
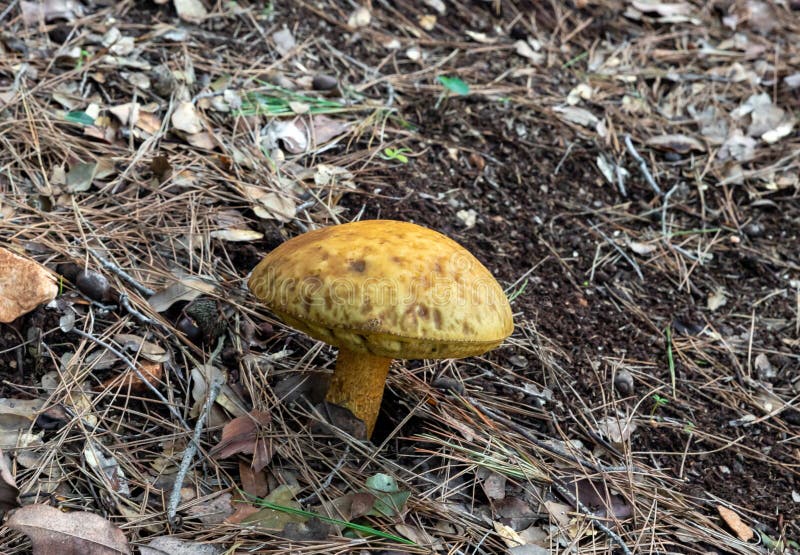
[{"x": 344, "y": 523}]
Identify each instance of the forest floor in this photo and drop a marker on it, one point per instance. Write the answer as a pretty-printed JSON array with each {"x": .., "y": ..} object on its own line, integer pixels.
[{"x": 628, "y": 170}]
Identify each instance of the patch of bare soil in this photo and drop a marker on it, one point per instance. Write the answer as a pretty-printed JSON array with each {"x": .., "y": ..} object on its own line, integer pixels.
[{"x": 627, "y": 170}]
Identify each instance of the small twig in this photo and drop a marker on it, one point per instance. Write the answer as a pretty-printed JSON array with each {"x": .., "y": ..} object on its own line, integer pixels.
[
  {"x": 622, "y": 253},
  {"x": 563, "y": 158},
  {"x": 214, "y": 388},
  {"x": 124, "y": 300},
  {"x": 620, "y": 171},
  {"x": 327, "y": 482},
  {"x": 7, "y": 11},
  {"x": 146, "y": 291},
  {"x": 642, "y": 165}
]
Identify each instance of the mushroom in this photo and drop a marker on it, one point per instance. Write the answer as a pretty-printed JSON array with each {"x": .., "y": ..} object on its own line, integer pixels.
[{"x": 380, "y": 290}]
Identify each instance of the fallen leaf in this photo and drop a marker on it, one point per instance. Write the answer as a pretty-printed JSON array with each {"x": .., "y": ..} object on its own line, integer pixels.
[
  {"x": 212, "y": 511},
  {"x": 185, "y": 118},
  {"x": 24, "y": 285},
  {"x": 734, "y": 522},
  {"x": 192, "y": 11},
  {"x": 284, "y": 41},
  {"x": 130, "y": 380},
  {"x": 52, "y": 532},
  {"x": 186, "y": 289},
  {"x": 139, "y": 345},
  {"x": 737, "y": 146},
  {"x": 271, "y": 519},
  {"x": 106, "y": 467},
  {"x": 389, "y": 499},
  {"x": 80, "y": 176},
  {"x": 617, "y": 430},
  {"x": 579, "y": 116},
  {"x": 170, "y": 545},
  {"x": 49, "y": 10},
  {"x": 507, "y": 534},
  {"x": 679, "y": 143},
  {"x": 253, "y": 482},
  {"x": 245, "y": 435},
  {"x": 8, "y": 487},
  {"x": 228, "y": 398}
]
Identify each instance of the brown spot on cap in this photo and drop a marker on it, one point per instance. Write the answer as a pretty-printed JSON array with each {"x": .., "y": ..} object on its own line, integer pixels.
[{"x": 358, "y": 266}]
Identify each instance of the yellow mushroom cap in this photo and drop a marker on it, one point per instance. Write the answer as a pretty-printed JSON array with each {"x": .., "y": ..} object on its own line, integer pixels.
[{"x": 392, "y": 289}]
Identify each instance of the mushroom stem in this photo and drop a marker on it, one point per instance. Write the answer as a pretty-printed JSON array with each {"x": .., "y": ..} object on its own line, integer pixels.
[{"x": 357, "y": 384}]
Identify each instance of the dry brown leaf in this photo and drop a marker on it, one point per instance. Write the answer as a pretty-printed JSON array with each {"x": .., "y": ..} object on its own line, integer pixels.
[
  {"x": 186, "y": 119},
  {"x": 24, "y": 285},
  {"x": 253, "y": 483},
  {"x": 243, "y": 435},
  {"x": 53, "y": 532},
  {"x": 186, "y": 289},
  {"x": 152, "y": 372},
  {"x": 214, "y": 510},
  {"x": 734, "y": 522}
]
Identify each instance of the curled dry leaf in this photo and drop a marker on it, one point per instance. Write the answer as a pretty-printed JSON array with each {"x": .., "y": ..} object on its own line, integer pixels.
[
  {"x": 185, "y": 119},
  {"x": 245, "y": 435},
  {"x": 24, "y": 285},
  {"x": 679, "y": 143},
  {"x": 734, "y": 522},
  {"x": 269, "y": 205},
  {"x": 106, "y": 467},
  {"x": 617, "y": 430},
  {"x": 52, "y": 531}
]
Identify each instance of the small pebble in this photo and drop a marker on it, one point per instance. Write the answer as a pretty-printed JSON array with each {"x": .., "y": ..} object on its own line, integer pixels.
[
  {"x": 322, "y": 82},
  {"x": 754, "y": 229},
  {"x": 93, "y": 285},
  {"x": 623, "y": 382}
]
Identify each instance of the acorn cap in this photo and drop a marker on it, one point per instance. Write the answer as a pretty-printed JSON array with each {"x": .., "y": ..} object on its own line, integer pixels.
[{"x": 391, "y": 289}]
